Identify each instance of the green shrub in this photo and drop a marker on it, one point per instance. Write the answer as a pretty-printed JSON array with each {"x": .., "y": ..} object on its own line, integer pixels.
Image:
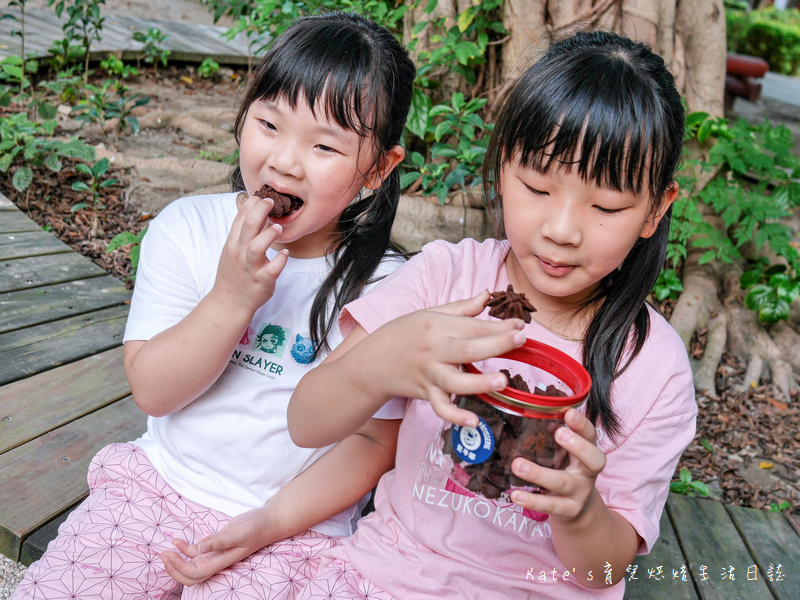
[{"x": 768, "y": 33}]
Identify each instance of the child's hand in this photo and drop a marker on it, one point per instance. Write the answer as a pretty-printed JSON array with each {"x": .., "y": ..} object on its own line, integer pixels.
[
  {"x": 240, "y": 538},
  {"x": 245, "y": 277},
  {"x": 568, "y": 491},
  {"x": 429, "y": 346}
]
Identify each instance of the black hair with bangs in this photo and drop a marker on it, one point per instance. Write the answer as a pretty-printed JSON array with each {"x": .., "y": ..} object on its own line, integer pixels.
[
  {"x": 608, "y": 107},
  {"x": 361, "y": 77}
]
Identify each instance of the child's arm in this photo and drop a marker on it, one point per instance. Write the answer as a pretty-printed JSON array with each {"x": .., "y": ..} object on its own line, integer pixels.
[
  {"x": 415, "y": 356},
  {"x": 337, "y": 480},
  {"x": 161, "y": 380},
  {"x": 586, "y": 533}
]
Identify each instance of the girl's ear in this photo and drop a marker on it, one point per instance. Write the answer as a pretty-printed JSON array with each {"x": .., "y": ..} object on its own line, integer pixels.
[
  {"x": 380, "y": 172},
  {"x": 670, "y": 195}
]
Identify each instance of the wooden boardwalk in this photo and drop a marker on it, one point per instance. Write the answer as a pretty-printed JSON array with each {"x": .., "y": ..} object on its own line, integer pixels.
[
  {"x": 63, "y": 393},
  {"x": 186, "y": 42},
  {"x": 63, "y": 396}
]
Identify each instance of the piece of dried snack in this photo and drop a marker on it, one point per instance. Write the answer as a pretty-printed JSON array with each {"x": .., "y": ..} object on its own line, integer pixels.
[
  {"x": 510, "y": 304},
  {"x": 282, "y": 203}
]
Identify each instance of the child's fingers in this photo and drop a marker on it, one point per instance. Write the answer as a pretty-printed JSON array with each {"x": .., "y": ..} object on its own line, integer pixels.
[
  {"x": 275, "y": 266},
  {"x": 257, "y": 247},
  {"x": 254, "y": 217},
  {"x": 470, "y": 307},
  {"x": 442, "y": 406},
  {"x": 578, "y": 422},
  {"x": 185, "y": 547},
  {"x": 483, "y": 346},
  {"x": 590, "y": 459},
  {"x": 178, "y": 568}
]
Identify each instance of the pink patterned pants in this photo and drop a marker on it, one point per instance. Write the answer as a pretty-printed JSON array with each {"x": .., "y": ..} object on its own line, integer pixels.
[
  {"x": 109, "y": 548},
  {"x": 339, "y": 580}
]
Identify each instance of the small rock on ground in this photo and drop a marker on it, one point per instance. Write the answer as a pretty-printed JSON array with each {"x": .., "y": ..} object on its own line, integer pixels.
[{"x": 11, "y": 574}]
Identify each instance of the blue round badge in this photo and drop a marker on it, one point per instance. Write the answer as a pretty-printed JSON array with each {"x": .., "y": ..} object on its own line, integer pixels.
[{"x": 473, "y": 445}]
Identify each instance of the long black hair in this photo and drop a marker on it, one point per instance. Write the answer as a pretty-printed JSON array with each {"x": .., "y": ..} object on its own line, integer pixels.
[
  {"x": 608, "y": 107},
  {"x": 362, "y": 77}
]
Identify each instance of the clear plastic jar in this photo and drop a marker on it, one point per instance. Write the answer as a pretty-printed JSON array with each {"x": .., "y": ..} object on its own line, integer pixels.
[{"x": 514, "y": 422}]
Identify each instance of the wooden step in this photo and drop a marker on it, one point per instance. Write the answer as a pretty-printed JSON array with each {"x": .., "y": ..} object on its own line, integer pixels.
[{"x": 39, "y": 480}]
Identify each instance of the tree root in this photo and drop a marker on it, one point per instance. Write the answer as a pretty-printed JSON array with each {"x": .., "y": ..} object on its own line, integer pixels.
[
  {"x": 705, "y": 369},
  {"x": 175, "y": 173},
  {"x": 192, "y": 124}
]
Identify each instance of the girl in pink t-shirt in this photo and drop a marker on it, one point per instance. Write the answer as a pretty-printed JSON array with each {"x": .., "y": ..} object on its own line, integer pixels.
[{"x": 580, "y": 182}]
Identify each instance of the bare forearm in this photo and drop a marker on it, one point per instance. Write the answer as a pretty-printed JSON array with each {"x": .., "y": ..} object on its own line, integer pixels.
[
  {"x": 597, "y": 538},
  {"x": 337, "y": 480},
  {"x": 174, "y": 367},
  {"x": 339, "y": 396}
]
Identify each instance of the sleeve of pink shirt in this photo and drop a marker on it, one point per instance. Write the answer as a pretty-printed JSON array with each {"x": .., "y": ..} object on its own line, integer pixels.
[{"x": 655, "y": 403}]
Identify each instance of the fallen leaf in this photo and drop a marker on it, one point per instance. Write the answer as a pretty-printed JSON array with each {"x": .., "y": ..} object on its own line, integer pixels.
[
  {"x": 778, "y": 404},
  {"x": 187, "y": 80},
  {"x": 765, "y": 465}
]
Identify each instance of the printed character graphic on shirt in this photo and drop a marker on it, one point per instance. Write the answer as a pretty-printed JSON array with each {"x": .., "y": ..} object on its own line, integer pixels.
[
  {"x": 302, "y": 350},
  {"x": 271, "y": 339}
]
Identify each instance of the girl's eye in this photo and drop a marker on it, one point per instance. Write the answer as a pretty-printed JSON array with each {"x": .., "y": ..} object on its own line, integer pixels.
[
  {"x": 608, "y": 211},
  {"x": 535, "y": 191},
  {"x": 267, "y": 125},
  {"x": 325, "y": 148}
]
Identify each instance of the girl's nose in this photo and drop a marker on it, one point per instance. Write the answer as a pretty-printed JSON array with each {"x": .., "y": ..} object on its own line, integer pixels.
[
  {"x": 561, "y": 226},
  {"x": 287, "y": 161}
]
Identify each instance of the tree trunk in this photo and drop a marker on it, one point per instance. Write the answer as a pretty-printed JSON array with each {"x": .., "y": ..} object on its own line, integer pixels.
[{"x": 688, "y": 34}]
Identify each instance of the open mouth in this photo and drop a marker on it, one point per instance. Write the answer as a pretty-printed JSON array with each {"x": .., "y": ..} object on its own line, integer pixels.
[{"x": 285, "y": 204}]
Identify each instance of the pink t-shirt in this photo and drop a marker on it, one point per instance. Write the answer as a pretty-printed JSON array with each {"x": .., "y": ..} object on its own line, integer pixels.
[{"x": 426, "y": 538}]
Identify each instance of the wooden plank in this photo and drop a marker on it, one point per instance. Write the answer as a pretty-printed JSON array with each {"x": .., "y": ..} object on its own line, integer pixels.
[
  {"x": 775, "y": 546},
  {"x": 34, "y": 271},
  {"x": 24, "y": 352},
  {"x": 30, "y": 243},
  {"x": 42, "y": 478},
  {"x": 201, "y": 41},
  {"x": 25, "y": 308},
  {"x": 713, "y": 547},
  {"x": 44, "y": 402},
  {"x": 6, "y": 204},
  {"x": 14, "y": 221},
  {"x": 34, "y": 546},
  {"x": 663, "y": 574}
]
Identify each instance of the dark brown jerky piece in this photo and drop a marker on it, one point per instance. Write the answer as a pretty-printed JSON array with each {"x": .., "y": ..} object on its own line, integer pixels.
[
  {"x": 282, "y": 203},
  {"x": 516, "y": 382},
  {"x": 510, "y": 304},
  {"x": 550, "y": 390}
]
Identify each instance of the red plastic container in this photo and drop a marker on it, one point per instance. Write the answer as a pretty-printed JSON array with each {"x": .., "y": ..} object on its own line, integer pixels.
[{"x": 514, "y": 422}]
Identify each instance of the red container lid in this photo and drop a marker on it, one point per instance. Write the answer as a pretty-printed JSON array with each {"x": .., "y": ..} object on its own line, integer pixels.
[{"x": 549, "y": 359}]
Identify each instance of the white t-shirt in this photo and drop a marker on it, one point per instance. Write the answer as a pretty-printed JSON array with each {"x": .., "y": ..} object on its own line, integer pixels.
[{"x": 230, "y": 449}]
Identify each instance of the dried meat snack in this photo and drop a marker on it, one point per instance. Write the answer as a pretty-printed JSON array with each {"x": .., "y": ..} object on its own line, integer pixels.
[
  {"x": 510, "y": 304},
  {"x": 283, "y": 204}
]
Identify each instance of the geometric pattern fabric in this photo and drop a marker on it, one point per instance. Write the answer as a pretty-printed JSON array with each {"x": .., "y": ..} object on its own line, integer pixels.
[{"x": 109, "y": 548}]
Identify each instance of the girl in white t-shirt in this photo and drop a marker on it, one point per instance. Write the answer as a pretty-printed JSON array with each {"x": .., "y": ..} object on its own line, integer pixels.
[
  {"x": 237, "y": 296},
  {"x": 582, "y": 161}
]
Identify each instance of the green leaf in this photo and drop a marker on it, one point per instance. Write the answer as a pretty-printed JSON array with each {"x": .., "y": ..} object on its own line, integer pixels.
[
  {"x": 47, "y": 110},
  {"x": 22, "y": 178},
  {"x": 79, "y": 206},
  {"x": 100, "y": 167},
  {"x": 85, "y": 169},
  {"x": 749, "y": 279},
  {"x": 52, "y": 162},
  {"x": 696, "y": 118},
  {"x": 685, "y": 475},
  {"x": 707, "y": 445},
  {"x": 700, "y": 487},
  {"x": 419, "y": 115},
  {"x": 465, "y": 19},
  {"x": 406, "y": 179},
  {"x": 108, "y": 182},
  {"x": 121, "y": 239},
  {"x": 80, "y": 186}
]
